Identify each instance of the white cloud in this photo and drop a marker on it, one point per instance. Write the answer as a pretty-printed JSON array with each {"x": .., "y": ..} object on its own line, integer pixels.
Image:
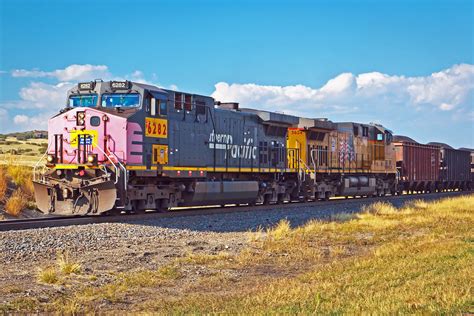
[
  {"x": 343, "y": 83},
  {"x": 72, "y": 72},
  {"x": 30, "y": 122},
  {"x": 20, "y": 119},
  {"x": 43, "y": 95},
  {"x": 445, "y": 90}
]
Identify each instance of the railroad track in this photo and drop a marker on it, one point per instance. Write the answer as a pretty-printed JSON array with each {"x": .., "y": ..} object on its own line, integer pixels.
[{"x": 52, "y": 221}]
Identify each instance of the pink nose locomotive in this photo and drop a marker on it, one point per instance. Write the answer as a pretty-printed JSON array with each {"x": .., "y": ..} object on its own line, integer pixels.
[{"x": 89, "y": 144}]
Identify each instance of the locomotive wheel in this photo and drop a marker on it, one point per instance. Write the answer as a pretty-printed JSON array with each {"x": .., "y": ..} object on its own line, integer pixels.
[
  {"x": 327, "y": 195},
  {"x": 280, "y": 198},
  {"x": 266, "y": 199},
  {"x": 137, "y": 207}
]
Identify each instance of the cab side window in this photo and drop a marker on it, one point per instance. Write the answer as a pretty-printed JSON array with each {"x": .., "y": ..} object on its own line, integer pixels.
[
  {"x": 188, "y": 102},
  {"x": 178, "y": 101},
  {"x": 163, "y": 107},
  {"x": 365, "y": 131}
]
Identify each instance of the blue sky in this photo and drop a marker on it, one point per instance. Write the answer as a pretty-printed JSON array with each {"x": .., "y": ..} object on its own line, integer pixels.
[{"x": 406, "y": 64}]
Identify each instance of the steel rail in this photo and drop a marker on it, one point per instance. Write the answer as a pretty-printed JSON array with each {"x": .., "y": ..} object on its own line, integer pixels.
[{"x": 57, "y": 221}]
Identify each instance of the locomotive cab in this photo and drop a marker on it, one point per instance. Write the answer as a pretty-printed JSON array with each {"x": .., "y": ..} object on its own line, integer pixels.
[{"x": 89, "y": 144}]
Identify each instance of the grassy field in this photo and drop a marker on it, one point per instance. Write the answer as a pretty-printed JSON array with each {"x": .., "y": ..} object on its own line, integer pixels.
[
  {"x": 417, "y": 259},
  {"x": 21, "y": 152}
]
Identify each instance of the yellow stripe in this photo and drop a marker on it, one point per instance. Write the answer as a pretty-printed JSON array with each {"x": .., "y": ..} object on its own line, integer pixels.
[
  {"x": 223, "y": 169},
  {"x": 73, "y": 166},
  {"x": 212, "y": 169},
  {"x": 136, "y": 167},
  {"x": 183, "y": 168}
]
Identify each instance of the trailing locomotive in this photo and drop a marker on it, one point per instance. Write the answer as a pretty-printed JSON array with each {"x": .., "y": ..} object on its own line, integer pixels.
[{"x": 125, "y": 146}]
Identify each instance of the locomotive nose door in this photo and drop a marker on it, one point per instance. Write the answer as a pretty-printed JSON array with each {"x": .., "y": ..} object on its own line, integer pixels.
[
  {"x": 156, "y": 126},
  {"x": 296, "y": 146}
]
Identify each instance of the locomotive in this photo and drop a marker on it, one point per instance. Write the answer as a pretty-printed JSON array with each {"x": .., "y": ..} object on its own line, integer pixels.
[{"x": 126, "y": 146}]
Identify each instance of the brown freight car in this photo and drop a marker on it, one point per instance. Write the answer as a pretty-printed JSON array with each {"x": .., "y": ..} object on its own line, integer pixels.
[{"x": 417, "y": 165}]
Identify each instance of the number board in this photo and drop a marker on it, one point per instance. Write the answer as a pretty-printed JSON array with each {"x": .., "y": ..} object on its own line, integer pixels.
[
  {"x": 155, "y": 127},
  {"x": 92, "y": 136}
]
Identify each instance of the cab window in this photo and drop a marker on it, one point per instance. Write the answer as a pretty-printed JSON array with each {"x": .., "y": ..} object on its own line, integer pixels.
[
  {"x": 115, "y": 100},
  {"x": 83, "y": 100},
  {"x": 365, "y": 131},
  {"x": 163, "y": 107}
]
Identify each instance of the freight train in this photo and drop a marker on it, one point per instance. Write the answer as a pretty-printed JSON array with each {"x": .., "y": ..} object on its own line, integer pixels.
[{"x": 121, "y": 146}]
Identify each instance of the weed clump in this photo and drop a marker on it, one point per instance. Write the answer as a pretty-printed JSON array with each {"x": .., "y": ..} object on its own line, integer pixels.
[
  {"x": 22, "y": 177},
  {"x": 280, "y": 231},
  {"x": 66, "y": 266},
  {"x": 379, "y": 208},
  {"x": 417, "y": 205},
  {"x": 48, "y": 275},
  {"x": 16, "y": 203},
  {"x": 3, "y": 184}
]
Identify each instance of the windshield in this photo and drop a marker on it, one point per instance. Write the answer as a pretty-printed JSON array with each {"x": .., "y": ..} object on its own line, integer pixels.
[
  {"x": 121, "y": 100},
  {"x": 84, "y": 100}
]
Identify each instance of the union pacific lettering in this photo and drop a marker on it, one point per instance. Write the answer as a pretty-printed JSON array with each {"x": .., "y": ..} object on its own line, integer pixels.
[{"x": 225, "y": 142}]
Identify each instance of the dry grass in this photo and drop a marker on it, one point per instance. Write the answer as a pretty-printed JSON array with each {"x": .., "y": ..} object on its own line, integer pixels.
[
  {"x": 3, "y": 184},
  {"x": 124, "y": 285},
  {"x": 21, "y": 304},
  {"x": 15, "y": 203},
  {"x": 48, "y": 275},
  {"x": 379, "y": 208},
  {"x": 64, "y": 267},
  {"x": 23, "y": 178},
  {"x": 67, "y": 266},
  {"x": 19, "y": 180},
  {"x": 280, "y": 231}
]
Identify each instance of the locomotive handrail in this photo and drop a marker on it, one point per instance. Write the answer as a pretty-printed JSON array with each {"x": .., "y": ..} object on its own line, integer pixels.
[
  {"x": 124, "y": 170},
  {"x": 306, "y": 167},
  {"x": 312, "y": 157},
  {"x": 115, "y": 166},
  {"x": 41, "y": 159}
]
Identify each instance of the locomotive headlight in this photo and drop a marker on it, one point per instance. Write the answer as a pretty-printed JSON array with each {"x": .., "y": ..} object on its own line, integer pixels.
[
  {"x": 81, "y": 118},
  {"x": 92, "y": 158},
  {"x": 50, "y": 158}
]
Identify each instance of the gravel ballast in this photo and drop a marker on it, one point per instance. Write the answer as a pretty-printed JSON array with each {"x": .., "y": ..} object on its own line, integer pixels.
[{"x": 34, "y": 244}]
